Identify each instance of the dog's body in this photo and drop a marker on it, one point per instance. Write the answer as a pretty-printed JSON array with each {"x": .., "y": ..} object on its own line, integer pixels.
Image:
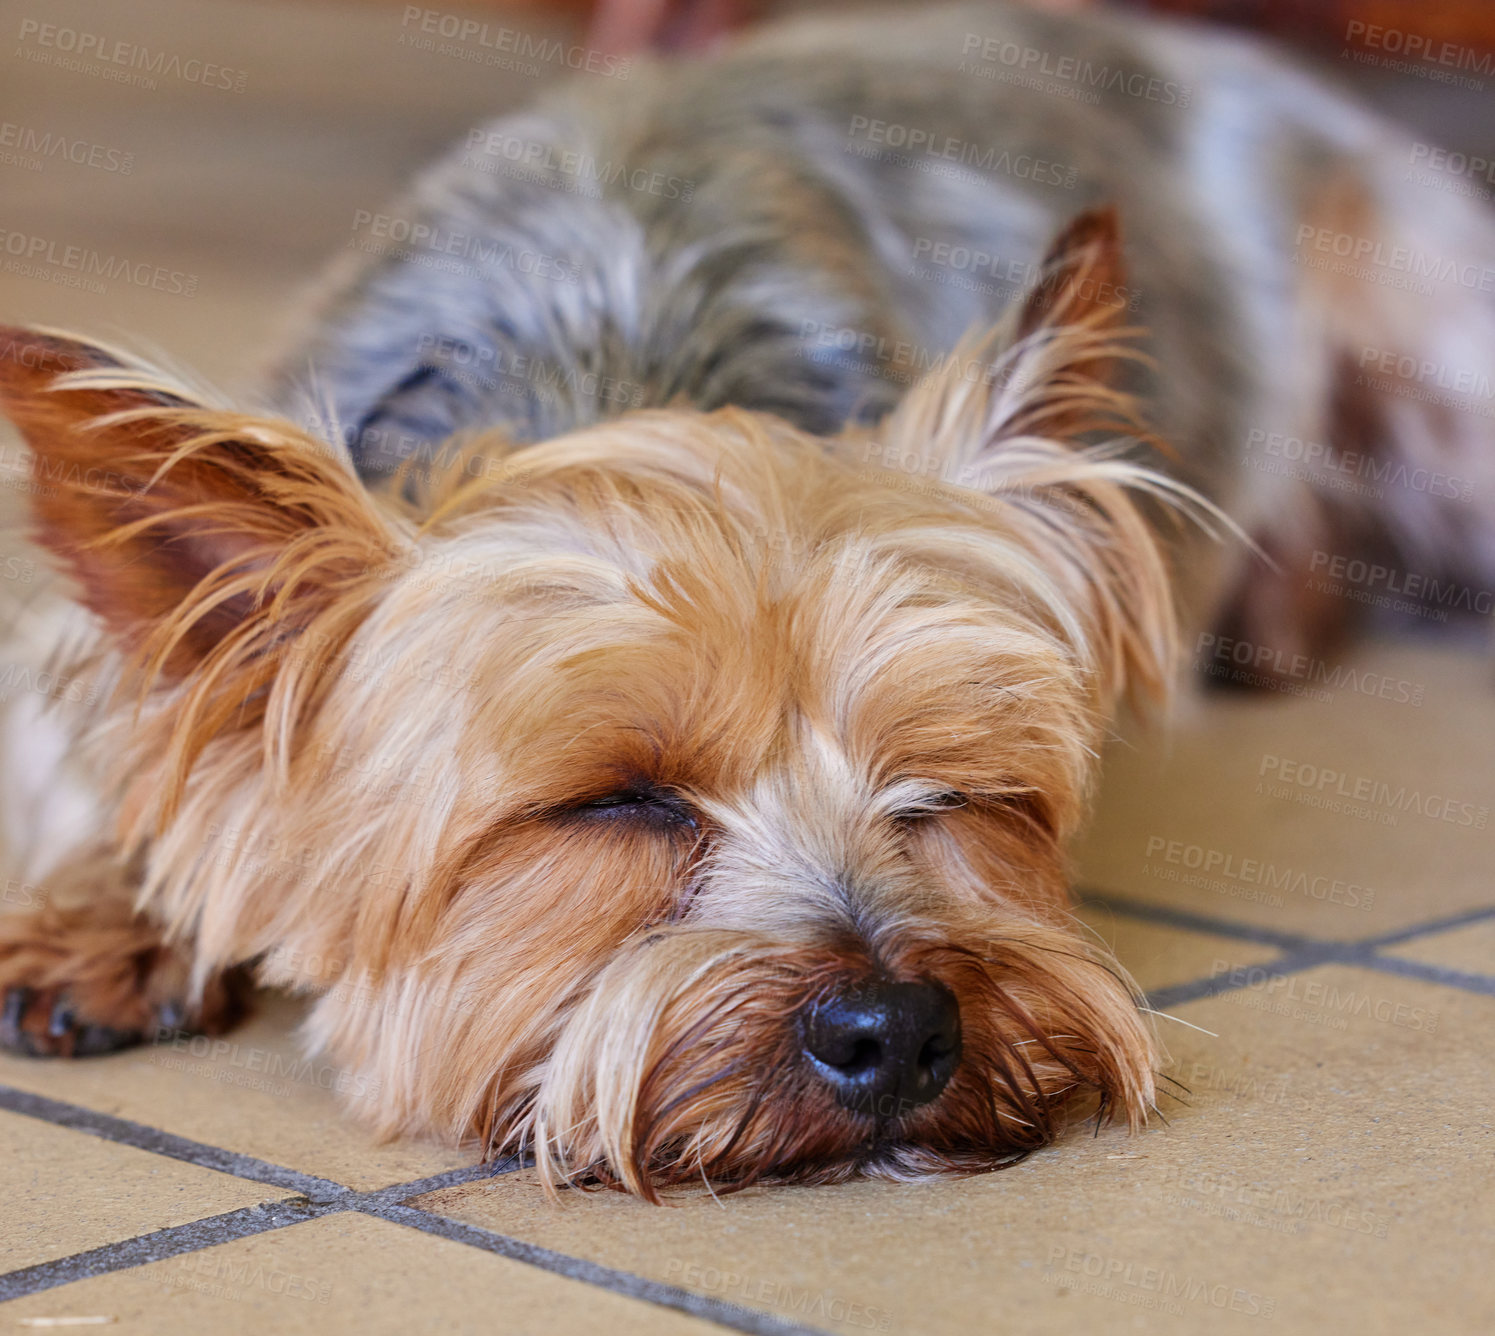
[
  {"x": 685, "y": 795},
  {"x": 807, "y": 227}
]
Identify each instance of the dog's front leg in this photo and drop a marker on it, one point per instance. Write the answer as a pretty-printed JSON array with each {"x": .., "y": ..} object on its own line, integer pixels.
[{"x": 84, "y": 973}]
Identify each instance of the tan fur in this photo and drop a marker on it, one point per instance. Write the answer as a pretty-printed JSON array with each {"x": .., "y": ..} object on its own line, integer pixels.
[
  {"x": 352, "y": 740},
  {"x": 86, "y": 957}
]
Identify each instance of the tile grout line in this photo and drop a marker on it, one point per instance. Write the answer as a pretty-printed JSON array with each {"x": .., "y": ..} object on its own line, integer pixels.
[
  {"x": 266, "y": 1217},
  {"x": 1301, "y": 952},
  {"x": 396, "y": 1193},
  {"x": 729, "y": 1315},
  {"x": 1431, "y": 926},
  {"x": 1225, "y": 927},
  {"x": 160, "y": 1244},
  {"x": 140, "y": 1136},
  {"x": 1171, "y": 917},
  {"x": 322, "y": 1197},
  {"x": 1294, "y": 962},
  {"x": 1433, "y": 974},
  {"x": 1213, "y": 985}
]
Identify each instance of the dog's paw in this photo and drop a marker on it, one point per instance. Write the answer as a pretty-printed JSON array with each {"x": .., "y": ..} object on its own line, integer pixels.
[
  {"x": 81, "y": 982},
  {"x": 46, "y": 1023}
]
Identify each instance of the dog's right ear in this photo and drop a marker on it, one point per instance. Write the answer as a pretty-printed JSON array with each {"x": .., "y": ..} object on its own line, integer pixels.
[
  {"x": 1030, "y": 416},
  {"x": 1048, "y": 371},
  {"x": 185, "y": 527}
]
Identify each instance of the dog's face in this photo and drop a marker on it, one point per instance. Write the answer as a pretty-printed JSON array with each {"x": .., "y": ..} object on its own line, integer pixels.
[{"x": 682, "y": 799}]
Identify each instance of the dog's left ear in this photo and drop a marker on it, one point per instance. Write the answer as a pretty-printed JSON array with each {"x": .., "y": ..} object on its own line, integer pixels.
[
  {"x": 1030, "y": 414},
  {"x": 193, "y": 532}
]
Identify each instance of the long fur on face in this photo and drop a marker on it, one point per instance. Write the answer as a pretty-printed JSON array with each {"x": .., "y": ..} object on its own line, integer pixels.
[{"x": 571, "y": 785}]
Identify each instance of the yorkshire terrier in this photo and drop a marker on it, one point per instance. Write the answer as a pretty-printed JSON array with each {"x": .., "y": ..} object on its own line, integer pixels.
[{"x": 642, "y": 670}]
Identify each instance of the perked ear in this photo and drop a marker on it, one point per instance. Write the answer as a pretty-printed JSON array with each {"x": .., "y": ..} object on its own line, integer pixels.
[
  {"x": 181, "y": 524},
  {"x": 1047, "y": 371},
  {"x": 1029, "y": 414}
]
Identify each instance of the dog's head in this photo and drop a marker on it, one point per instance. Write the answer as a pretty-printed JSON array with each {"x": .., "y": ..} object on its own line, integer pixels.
[{"x": 682, "y": 799}]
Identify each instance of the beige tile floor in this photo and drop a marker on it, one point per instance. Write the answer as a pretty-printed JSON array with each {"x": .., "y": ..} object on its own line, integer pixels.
[{"x": 1331, "y": 972}]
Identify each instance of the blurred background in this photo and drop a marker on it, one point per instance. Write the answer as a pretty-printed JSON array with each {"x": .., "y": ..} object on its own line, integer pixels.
[{"x": 249, "y": 188}]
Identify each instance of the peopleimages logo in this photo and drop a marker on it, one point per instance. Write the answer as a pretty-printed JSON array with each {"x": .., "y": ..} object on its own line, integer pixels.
[
  {"x": 1336, "y": 574},
  {"x": 120, "y": 61},
  {"x": 500, "y": 46},
  {"x": 1398, "y": 260},
  {"x": 1453, "y": 162},
  {"x": 42, "y": 257},
  {"x": 1087, "y": 80},
  {"x": 419, "y": 242},
  {"x": 1423, "y": 371},
  {"x": 1259, "y": 872},
  {"x": 1246, "y": 1200},
  {"x": 1333, "y": 467},
  {"x": 808, "y": 1303},
  {"x": 1022, "y": 272},
  {"x": 1323, "y": 999},
  {"x": 570, "y": 169},
  {"x": 1260, "y": 665},
  {"x": 226, "y": 1056},
  {"x": 926, "y": 142},
  {"x": 16, "y": 892},
  {"x": 1199, "y": 1077},
  {"x": 1324, "y": 785},
  {"x": 1159, "y": 1281},
  {"x": 26, "y": 146},
  {"x": 1419, "y": 47},
  {"x": 223, "y": 1277}
]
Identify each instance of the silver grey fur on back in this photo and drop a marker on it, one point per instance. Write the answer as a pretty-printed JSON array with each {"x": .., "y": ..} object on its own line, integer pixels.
[{"x": 723, "y": 228}]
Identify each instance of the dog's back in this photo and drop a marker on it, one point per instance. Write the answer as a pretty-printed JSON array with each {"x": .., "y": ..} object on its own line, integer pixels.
[{"x": 806, "y": 224}]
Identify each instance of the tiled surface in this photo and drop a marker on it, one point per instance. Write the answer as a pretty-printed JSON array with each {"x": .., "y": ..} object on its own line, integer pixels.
[
  {"x": 311, "y": 1277},
  {"x": 1471, "y": 949},
  {"x": 1280, "y": 1198},
  {"x": 252, "y": 1090},
  {"x": 1325, "y": 1163},
  {"x": 1159, "y": 956},
  {"x": 1261, "y": 822},
  {"x": 67, "y": 1193}
]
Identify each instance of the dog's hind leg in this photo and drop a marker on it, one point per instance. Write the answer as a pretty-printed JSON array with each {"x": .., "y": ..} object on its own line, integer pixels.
[
  {"x": 1409, "y": 322},
  {"x": 83, "y": 973},
  {"x": 1374, "y": 472}
]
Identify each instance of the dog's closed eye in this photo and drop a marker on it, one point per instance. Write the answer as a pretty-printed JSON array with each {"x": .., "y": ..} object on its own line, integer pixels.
[
  {"x": 931, "y": 805},
  {"x": 640, "y": 805},
  {"x": 1021, "y": 803}
]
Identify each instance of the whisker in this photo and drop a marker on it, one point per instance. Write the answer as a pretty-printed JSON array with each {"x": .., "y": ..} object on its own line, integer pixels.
[{"x": 1168, "y": 1016}]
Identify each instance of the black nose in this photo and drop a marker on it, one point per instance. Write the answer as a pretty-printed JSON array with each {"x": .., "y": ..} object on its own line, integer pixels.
[{"x": 884, "y": 1047}]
